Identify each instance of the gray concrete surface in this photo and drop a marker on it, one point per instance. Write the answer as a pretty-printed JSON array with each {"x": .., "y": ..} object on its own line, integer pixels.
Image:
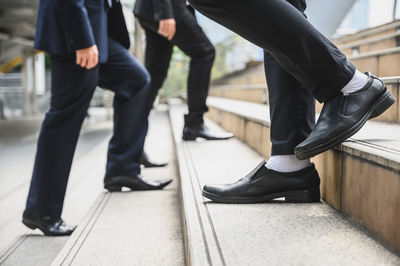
[
  {"x": 135, "y": 228},
  {"x": 261, "y": 234},
  {"x": 19, "y": 245},
  {"x": 377, "y": 142}
]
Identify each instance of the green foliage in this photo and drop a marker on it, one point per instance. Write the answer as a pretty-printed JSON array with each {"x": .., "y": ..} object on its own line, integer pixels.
[{"x": 176, "y": 82}]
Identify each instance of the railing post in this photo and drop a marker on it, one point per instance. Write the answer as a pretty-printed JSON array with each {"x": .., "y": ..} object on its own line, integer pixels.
[
  {"x": 2, "y": 115},
  {"x": 26, "y": 108},
  {"x": 138, "y": 50},
  {"x": 34, "y": 96}
]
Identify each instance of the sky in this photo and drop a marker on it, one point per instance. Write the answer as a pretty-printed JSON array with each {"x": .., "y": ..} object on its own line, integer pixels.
[{"x": 381, "y": 11}]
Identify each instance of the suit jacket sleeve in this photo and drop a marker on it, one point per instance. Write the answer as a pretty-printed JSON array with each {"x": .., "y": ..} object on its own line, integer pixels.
[
  {"x": 76, "y": 23},
  {"x": 162, "y": 9}
]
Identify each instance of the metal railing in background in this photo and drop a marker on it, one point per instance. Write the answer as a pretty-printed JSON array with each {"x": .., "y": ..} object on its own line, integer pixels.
[{"x": 11, "y": 95}]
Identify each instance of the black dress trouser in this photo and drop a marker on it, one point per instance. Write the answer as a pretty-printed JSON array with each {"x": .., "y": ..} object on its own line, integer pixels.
[
  {"x": 72, "y": 88},
  {"x": 191, "y": 39},
  {"x": 279, "y": 28},
  {"x": 292, "y": 107}
]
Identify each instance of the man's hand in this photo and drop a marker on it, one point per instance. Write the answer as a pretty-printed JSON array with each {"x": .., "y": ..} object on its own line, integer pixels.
[
  {"x": 167, "y": 28},
  {"x": 88, "y": 57}
]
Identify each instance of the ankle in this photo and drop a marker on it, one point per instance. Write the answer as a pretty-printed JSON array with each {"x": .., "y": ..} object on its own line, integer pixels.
[
  {"x": 286, "y": 163},
  {"x": 358, "y": 82}
]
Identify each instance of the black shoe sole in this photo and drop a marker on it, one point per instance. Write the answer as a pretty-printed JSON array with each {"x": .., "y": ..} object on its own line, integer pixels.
[
  {"x": 29, "y": 225},
  {"x": 118, "y": 187},
  {"x": 154, "y": 165},
  {"x": 381, "y": 105},
  {"x": 34, "y": 226},
  {"x": 300, "y": 196},
  {"x": 190, "y": 137}
]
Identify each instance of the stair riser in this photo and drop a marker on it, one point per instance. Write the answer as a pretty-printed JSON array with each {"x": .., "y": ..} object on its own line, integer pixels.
[
  {"x": 248, "y": 95},
  {"x": 391, "y": 115},
  {"x": 366, "y": 192},
  {"x": 371, "y": 33},
  {"x": 375, "y": 46},
  {"x": 383, "y": 65},
  {"x": 261, "y": 96}
]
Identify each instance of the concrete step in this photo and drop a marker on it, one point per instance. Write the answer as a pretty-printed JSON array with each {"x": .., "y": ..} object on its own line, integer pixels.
[
  {"x": 259, "y": 234},
  {"x": 133, "y": 228},
  {"x": 378, "y": 31},
  {"x": 382, "y": 63},
  {"x": 258, "y": 93},
  {"x": 387, "y": 41},
  {"x": 253, "y": 74},
  {"x": 360, "y": 178},
  {"x": 21, "y": 246}
]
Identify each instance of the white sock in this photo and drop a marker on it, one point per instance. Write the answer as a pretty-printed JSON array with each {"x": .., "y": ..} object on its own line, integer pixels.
[
  {"x": 358, "y": 82},
  {"x": 286, "y": 163}
]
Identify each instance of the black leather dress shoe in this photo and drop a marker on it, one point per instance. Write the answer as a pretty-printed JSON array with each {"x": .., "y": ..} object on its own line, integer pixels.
[
  {"x": 201, "y": 131},
  {"x": 145, "y": 161},
  {"x": 50, "y": 226},
  {"x": 263, "y": 185},
  {"x": 343, "y": 116},
  {"x": 135, "y": 183}
]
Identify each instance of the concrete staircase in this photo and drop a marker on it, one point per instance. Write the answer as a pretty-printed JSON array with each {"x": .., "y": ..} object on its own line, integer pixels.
[
  {"x": 361, "y": 177},
  {"x": 261, "y": 234},
  {"x": 140, "y": 228},
  {"x": 357, "y": 223}
]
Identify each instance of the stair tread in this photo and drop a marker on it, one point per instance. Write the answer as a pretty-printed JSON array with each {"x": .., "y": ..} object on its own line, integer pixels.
[
  {"x": 370, "y": 40},
  {"x": 22, "y": 246},
  {"x": 133, "y": 228},
  {"x": 261, "y": 86},
  {"x": 280, "y": 234},
  {"x": 367, "y": 32},
  {"x": 376, "y": 141}
]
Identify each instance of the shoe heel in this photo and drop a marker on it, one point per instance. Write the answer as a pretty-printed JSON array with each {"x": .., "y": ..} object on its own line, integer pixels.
[
  {"x": 384, "y": 103},
  {"x": 114, "y": 188},
  {"x": 29, "y": 225},
  {"x": 189, "y": 136},
  {"x": 303, "y": 196}
]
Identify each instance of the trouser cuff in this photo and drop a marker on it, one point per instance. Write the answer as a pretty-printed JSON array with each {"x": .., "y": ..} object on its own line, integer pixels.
[{"x": 194, "y": 119}]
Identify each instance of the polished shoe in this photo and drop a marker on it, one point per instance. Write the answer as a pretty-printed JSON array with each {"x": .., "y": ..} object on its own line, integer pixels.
[
  {"x": 201, "y": 131},
  {"x": 145, "y": 161},
  {"x": 343, "y": 116},
  {"x": 135, "y": 183},
  {"x": 264, "y": 185},
  {"x": 50, "y": 226}
]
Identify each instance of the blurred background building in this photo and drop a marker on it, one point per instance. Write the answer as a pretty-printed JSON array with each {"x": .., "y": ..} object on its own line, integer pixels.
[{"x": 25, "y": 79}]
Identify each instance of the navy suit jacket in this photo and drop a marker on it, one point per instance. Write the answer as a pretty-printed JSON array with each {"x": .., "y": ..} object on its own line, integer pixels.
[
  {"x": 155, "y": 10},
  {"x": 64, "y": 26}
]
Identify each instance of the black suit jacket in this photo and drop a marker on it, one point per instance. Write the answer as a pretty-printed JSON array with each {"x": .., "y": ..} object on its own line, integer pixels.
[
  {"x": 155, "y": 10},
  {"x": 64, "y": 26}
]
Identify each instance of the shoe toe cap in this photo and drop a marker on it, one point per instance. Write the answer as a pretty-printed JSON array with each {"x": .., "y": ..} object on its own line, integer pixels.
[
  {"x": 214, "y": 189},
  {"x": 166, "y": 182}
]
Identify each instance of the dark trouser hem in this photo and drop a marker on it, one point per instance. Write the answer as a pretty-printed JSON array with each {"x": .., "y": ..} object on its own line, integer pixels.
[
  {"x": 109, "y": 176},
  {"x": 194, "y": 119},
  {"x": 283, "y": 149}
]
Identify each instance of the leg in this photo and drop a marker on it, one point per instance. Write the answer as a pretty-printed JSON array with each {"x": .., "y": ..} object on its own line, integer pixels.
[
  {"x": 191, "y": 39},
  {"x": 292, "y": 108},
  {"x": 72, "y": 88},
  {"x": 130, "y": 82},
  {"x": 157, "y": 59},
  {"x": 279, "y": 28}
]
